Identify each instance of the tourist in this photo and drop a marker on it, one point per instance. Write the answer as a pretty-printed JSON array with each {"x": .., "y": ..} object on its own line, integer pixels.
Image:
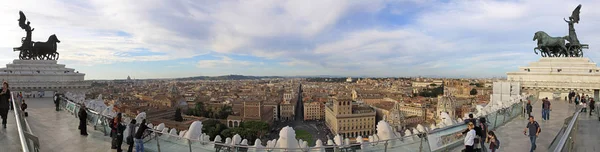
[
  {"x": 583, "y": 105},
  {"x": 82, "y": 121},
  {"x": 139, "y": 134},
  {"x": 546, "y": 109},
  {"x": 4, "y": 103},
  {"x": 131, "y": 132},
  {"x": 56, "y": 101},
  {"x": 23, "y": 107},
  {"x": 534, "y": 132},
  {"x": 469, "y": 140},
  {"x": 493, "y": 140},
  {"x": 470, "y": 119},
  {"x": 117, "y": 132},
  {"x": 577, "y": 98},
  {"x": 570, "y": 96},
  {"x": 483, "y": 129},
  {"x": 529, "y": 108},
  {"x": 592, "y": 105}
]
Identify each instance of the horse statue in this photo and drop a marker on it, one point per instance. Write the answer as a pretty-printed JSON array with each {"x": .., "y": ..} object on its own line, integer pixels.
[
  {"x": 46, "y": 50},
  {"x": 550, "y": 44}
]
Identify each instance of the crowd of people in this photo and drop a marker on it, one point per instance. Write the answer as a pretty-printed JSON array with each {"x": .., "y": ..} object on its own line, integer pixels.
[
  {"x": 584, "y": 101},
  {"x": 117, "y": 131},
  {"x": 477, "y": 133}
]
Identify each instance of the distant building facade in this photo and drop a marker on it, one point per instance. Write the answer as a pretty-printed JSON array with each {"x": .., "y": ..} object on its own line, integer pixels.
[
  {"x": 314, "y": 111},
  {"x": 348, "y": 119}
]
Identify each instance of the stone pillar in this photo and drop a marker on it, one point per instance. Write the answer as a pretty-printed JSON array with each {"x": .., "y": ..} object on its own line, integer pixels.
[{"x": 596, "y": 94}]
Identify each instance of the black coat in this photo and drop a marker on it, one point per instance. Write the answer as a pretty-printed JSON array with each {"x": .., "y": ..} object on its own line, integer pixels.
[
  {"x": 82, "y": 118},
  {"x": 140, "y": 131},
  {"x": 4, "y": 99}
]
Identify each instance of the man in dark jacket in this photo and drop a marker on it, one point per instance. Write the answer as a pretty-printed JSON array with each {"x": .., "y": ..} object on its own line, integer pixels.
[
  {"x": 139, "y": 134},
  {"x": 529, "y": 108},
  {"x": 4, "y": 103},
  {"x": 83, "y": 120}
]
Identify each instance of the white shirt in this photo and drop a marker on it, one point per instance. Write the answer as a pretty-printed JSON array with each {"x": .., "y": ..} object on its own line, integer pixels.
[{"x": 470, "y": 138}]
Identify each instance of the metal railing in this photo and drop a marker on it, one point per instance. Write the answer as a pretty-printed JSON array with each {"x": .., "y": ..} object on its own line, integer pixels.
[
  {"x": 29, "y": 142},
  {"x": 156, "y": 140},
  {"x": 566, "y": 135},
  {"x": 444, "y": 139}
]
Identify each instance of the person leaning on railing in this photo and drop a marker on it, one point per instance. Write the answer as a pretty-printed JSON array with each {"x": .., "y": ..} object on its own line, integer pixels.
[
  {"x": 138, "y": 138},
  {"x": 469, "y": 140}
]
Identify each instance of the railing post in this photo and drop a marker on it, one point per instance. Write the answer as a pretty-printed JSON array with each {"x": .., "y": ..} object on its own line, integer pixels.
[
  {"x": 189, "y": 144},
  {"x": 421, "y": 144},
  {"x": 157, "y": 141},
  {"x": 385, "y": 145},
  {"x": 495, "y": 119}
]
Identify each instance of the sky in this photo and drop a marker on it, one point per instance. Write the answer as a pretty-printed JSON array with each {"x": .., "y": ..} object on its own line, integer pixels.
[{"x": 113, "y": 39}]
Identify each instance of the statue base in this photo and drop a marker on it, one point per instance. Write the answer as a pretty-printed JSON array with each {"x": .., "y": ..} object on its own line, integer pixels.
[
  {"x": 42, "y": 75},
  {"x": 554, "y": 77}
]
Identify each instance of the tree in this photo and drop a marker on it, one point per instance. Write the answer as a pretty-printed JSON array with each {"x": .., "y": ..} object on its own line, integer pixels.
[
  {"x": 178, "y": 116},
  {"x": 213, "y": 128},
  {"x": 199, "y": 110},
  {"x": 224, "y": 112},
  {"x": 259, "y": 128},
  {"x": 473, "y": 92}
]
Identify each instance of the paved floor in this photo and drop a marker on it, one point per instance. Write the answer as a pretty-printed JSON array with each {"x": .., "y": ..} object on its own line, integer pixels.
[
  {"x": 588, "y": 136},
  {"x": 511, "y": 134},
  {"x": 58, "y": 131},
  {"x": 9, "y": 137}
]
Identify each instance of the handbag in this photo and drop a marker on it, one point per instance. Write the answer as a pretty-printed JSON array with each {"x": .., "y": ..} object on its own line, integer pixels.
[{"x": 130, "y": 140}]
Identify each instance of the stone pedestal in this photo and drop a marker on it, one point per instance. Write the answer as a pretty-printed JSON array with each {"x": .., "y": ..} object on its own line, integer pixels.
[
  {"x": 42, "y": 75},
  {"x": 553, "y": 77}
]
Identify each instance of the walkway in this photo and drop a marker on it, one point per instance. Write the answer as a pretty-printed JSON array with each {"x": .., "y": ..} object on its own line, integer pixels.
[
  {"x": 587, "y": 137},
  {"x": 58, "y": 131},
  {"x": 9, "y": 137},
  {"x": 511, "y": 134}
]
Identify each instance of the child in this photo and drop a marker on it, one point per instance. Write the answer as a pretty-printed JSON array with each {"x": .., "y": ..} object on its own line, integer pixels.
[
  {"x": 583, "y": 106},
  {"x": 23, "y": 107}
]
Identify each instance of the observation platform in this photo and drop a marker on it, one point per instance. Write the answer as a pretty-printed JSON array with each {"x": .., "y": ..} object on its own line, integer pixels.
[{"x": 58, "y": 131}]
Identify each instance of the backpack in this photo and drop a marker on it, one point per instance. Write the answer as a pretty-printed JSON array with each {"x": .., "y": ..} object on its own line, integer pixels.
[
  {"x": 497, "y": 143},
  {"x": 538, "y": 126}
]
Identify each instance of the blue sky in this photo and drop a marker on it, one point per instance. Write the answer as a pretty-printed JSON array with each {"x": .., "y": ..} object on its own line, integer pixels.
[{"x": 111, "y": 39}]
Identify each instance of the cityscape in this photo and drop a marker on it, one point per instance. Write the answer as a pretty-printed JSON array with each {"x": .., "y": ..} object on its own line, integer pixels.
[{"x": 306, "y": 76}]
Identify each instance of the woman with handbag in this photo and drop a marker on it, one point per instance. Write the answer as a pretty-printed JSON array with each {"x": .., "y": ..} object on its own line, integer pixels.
[{"x": 117, "y": 132}]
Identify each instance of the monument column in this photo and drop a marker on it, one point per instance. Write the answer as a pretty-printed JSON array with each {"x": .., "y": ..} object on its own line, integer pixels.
[{"x": 596, "y": 94}]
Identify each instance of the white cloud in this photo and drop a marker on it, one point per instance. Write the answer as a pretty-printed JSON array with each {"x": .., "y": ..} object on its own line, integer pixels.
[
  {"x": 224, "y": 62},
  {"x": 417, "y": 35}
]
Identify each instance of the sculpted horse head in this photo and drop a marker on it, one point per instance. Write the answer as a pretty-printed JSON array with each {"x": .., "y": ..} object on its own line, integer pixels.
[
  {"x": 53, "y": 39},
  {"x": 540, "y": 36}
]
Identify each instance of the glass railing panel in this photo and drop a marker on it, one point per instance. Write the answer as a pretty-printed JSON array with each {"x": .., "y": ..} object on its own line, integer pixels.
[
  {"x": 151, "y": 145},
  {"x": 198, "y": 146},
  {"x": 411, "y": 143},
  {"x": 500, "y": 117},
  {"x": 492, "y": 119},
  {"x": 173, "y": 144}
]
